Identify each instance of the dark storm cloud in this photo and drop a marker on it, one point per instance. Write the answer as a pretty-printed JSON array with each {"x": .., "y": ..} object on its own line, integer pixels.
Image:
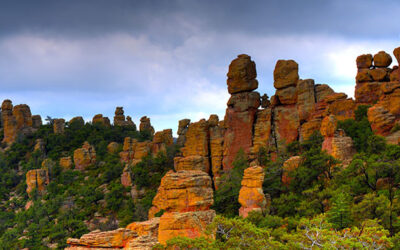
[{"x": 171, "y": 21}]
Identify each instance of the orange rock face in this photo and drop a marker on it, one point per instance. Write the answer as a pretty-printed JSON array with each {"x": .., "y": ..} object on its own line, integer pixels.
[
  {"x": 364, "y": 61},
  {"x": 194, "y": 162},
  {"x": 58, "y": 126},
  {"x": 262, "y": 130},
  {"x": 341, "y": 147},
  {"x": 85, "y": 156},
  {"x": 242, "y": 75},
  {"x": 66, "y": 162},
  {"x": 305, "y": 98},
  {"x": 188, "y": 224},
  {"x": 183, "y": 191},
  {"x": 126, "y": 179},
  {"x": 145, "y": 125},
  {"x": 328, "y": 126},
  {"x": 10, "y": 124},
  {"x": 251, "y": 195},
  {"x": 286, "y": 74},
  {"x": 287, "y": 125},
  {"x": 112, "y": 147},
  {"x": 382, "y": 59},
  {"x": 290, "y": 165},
  {"x": 382, "y": 121},
  {"x": 146, "y": 228},
  {"x": 36, "y": 179},
  {"x": 110, "y": 239},
  {"x": 216, "y": 132}
]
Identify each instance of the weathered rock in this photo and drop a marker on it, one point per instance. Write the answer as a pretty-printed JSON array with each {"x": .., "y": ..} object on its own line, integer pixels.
[
  {"x": 142, "y": 149},
  {"x": 382, "y": 121},
  {"x": 239, "y": 120},
  {"x": 36, "y": 121},
  {"x": 128, "y": 150},
  {"x": 146, "y": 228},
  {"x": 119, "y": 118},
  {"x": 389, "y": 87},
  {"x": 391, "y": 102},
  {"x": 161, "y": 140},
  {"x": 182, "y": 129},
  {"x": 216, "y": 132},
  {"x": 340, "y": 147},
  {"x": 242, "y": 75},
  {"x": 379, "y": 74},
  {"x": 110, "y": 239},
  {"x": 382, "y": 59},
  {"x": 251, "y": 195},
  {"x": 145, "y": 125},
  {"x": 36, "y": 179},
  {"x": 364, "y": 61},
  {"x": 194, "y": 162},
  {"x": 58, "y": 126},
  {"x": 308, "y": 128},
  {"x": 328, "y": 126},
  {"x": 101, "y": 120},
  {"x": 66, "y": 162},
  {"x": 9, "y": 122},
  {"x": 142, "y": 243},
  {"x": 48, "y": 164},
  {"x": 183, "y": 191},
  {"x": 85, "y": 156},
  {"x": 23, "y": 116},
  {"x": 395, "y": 75},
  {"x": 112, "y": 147},
  {"x": 322, "y": 91},
  {"x": 343, "y": 109},
  {"x": 363, "y": 76},
  {"x": 188, "y": 224},
  {"x": 305, "y": 98},
  {"x": 286, "y": 73},
  {"x": 262, "y": 130},
  {"x": 287, "y": 124},
  {"x": 289, "y": 166},
  {"x": 77, "y": 121},
  {"x": 287, "y": 95}
]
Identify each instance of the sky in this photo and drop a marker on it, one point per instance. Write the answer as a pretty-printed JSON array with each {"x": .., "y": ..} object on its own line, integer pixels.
[{"x": 168, "y": 59}]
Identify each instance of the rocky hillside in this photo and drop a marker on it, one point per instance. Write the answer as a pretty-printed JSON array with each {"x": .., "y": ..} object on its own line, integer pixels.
[{"x": 306, "y": 153}]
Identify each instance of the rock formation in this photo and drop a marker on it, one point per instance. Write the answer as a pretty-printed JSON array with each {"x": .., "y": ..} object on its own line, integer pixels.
[
  {"x": 58, "y": 126},
  {"x": 66, "y": 162},
  {"x": 113, "y": 147},
  {"x": 119, "y": 118},
  {"x": 242, "y": 108},
  {"x": 85, "y": 156},
  {"x": 36, "y": 179},
  {"x": 77, "y": 121},
  {"x": 16, "y": 121},
  {"x": 101, "y": 120},
  {"x": 251, "y": 195},
  {"x": 182, "y": 129},
  {"x": 145, "y": 125},
  {"x": 289, "y": 166},
  {"x": 36, "y": 121},
  {"x": 39, "y": 146},
  {"x": 340, "y": 146}
]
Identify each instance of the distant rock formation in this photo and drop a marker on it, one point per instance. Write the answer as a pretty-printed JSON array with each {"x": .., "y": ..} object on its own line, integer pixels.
[
  {"x": 36, "y": 179},
  {"x": 119, "y": 118},
  {"x": 145, "y": 125},
  {"x": 85, "y": 156},
  {"x": 99, "y": 119},
  {"x": 58, "y": 126}
]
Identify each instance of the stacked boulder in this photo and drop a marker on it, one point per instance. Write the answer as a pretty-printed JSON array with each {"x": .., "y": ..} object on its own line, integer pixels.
[
  {"x": 145, "y": 125},
  {"x": 251, "y": 195},
  {"x": 119, "y": 118}
]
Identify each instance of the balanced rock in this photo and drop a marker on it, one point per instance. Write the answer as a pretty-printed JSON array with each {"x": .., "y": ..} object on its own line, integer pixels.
[
  {"x": 85, "y": 156},
  {"x": 364, "y": 61},
  {"x": 251, "y": 195},
  {"x": 286, "y": 74},
  {"x": 242, "y": 75},
  {"x": 382, "y": 59}
]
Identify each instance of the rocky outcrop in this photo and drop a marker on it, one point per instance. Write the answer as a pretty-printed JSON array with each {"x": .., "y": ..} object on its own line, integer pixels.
[
  {"x": 119, "y": 118},
  {"x": 66, "y": 162},
  {"x": 183, "y": 191},
  {"x": 340, "y": 146},
  {"x": 99, "y": 119},
  {"x": 188, "y": 224},
  {"x": 182, "y": 129},
  {"x": 251, "y": 195},
  {"x": 36, "y": 121},
  {"x": 85, "y": 156},
  {"x": 58, "y": 126},
  {"x": 145, "y": 125},
  {"x": 77, "y": 121},
  {"x": 113, "y": 147},
  {"x": 161, "y": 140},
  {"x": 36, "y": 179},
  {"x": 126, "y": 177},
  {"x": 16, "y": 121},
  {"x": 39, "y": 146}
]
